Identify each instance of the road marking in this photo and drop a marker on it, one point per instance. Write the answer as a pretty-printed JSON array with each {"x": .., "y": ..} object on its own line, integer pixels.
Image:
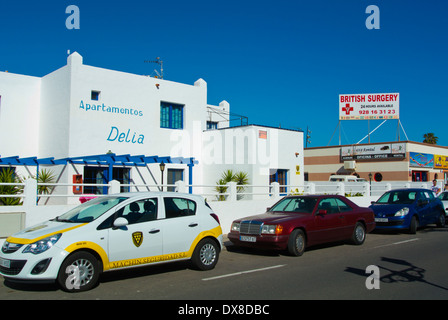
[
  {"x": 395, "y": 243},
  {"x": 243, "y": 272}
]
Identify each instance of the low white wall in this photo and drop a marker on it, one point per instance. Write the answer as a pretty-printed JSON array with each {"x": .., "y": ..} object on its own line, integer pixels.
[
  {"x": 40, "y": 214},
  {"x": 227, "y": 211}
]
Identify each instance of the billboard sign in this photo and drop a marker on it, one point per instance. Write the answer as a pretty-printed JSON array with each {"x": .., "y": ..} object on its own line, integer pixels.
[
  {"x": 374, "y": 152},
  {"x": 440, "y": 162},
  {"x": 369, "y": 106},
  {"x": 422, "y": 160}
]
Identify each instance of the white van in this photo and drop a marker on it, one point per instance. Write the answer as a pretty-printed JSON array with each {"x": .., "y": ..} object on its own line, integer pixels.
[{"x": 345, "y": 178}]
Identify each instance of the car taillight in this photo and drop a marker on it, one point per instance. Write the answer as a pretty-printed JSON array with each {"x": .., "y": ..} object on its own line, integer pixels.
[{"x": 215, "y": 217}]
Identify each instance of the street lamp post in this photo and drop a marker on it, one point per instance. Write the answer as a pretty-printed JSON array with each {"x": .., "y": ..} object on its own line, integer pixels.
[{"x": 162, "y": 168}]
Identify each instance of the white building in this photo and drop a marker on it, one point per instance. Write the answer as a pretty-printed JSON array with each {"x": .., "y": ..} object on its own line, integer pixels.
[{"x": 83, "y": 118}]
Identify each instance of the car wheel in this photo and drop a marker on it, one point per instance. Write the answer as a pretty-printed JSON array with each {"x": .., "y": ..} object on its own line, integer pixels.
[
  {"x": 296, "y": 242},
  {"x": 205, "y": 255},
  {"x": 442, "y": 220},
  {"x": 79, "y": 272},
  {"x": 359, "y": 234},
  {"x": 414, "y": 225}
]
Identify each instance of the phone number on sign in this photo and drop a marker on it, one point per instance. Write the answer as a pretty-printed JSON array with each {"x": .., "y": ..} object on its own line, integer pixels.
[{"x": 377, "y": 112}]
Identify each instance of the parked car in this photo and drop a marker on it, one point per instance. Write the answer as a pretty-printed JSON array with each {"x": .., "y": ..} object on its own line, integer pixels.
[
  {"x": 345, "y": 178},
  {"x": 114, "y": 232},
  {"x": 444, "y": 198},
  {"x": 297, "y": 222},
  {"x": 408, "y": 209}
]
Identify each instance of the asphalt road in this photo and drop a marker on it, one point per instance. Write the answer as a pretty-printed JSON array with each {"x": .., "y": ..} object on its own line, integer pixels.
[{"x": 409, "y": 267}]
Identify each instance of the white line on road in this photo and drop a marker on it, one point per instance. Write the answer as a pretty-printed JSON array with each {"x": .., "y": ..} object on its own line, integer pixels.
[
  {"x": 395, "y": 243},
  {"x": 243, "y": 272}
]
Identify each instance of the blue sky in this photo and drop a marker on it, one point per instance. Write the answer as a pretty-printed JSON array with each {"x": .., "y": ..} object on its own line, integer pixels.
[{"x": 280, "y": 63}]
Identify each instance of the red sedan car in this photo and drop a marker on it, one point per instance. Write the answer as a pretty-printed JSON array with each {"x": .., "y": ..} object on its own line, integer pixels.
[{"x": 297, "y": 222}]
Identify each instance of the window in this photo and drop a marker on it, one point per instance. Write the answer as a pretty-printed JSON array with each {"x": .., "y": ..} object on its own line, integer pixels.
[
  {"x": 175, "y": 175},
  {"x": 135, "y": 212},
  {"x": 171, "y": 116},
  {"x": 95, "y": 95},
  {"x": 300, "y": 204},
  {"x": 212, "y": 125},
  {"x": 343, "y": 207},
  {"x": 179, "y": 207},
  {"x": 99, "y": 175},
  {"x": 140, "y": 211},
  {"x": 328, "y": 204},
  {"x": 280, "y": 176}
]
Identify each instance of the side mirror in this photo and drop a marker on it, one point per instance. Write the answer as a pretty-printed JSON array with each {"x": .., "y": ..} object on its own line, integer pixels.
[
  {"x": 322, "y": 212},
  {"x": 120, "y": 222},
  {"x": 268, "y": 209},
  {"x": 372, "y": 202}
]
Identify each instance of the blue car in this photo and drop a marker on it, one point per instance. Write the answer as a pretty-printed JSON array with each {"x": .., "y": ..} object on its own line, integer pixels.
[{"x": 408, "y": 209}]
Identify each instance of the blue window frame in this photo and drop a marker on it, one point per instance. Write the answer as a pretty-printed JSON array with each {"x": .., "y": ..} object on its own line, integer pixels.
[
  {"x": 98, "y": 175},
  {"x": 171, "y": 115},
  {"x": 211, "y": 125},
  {"x": 280, "y": 176}
]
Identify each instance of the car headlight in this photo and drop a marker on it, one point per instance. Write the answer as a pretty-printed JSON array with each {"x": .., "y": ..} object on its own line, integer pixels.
[
  {"x": 402, "y": 212},
  {"x": 272, "y": 229},
  {"x": 42, "y": 245},
  {"x": 235, "y": 227}
]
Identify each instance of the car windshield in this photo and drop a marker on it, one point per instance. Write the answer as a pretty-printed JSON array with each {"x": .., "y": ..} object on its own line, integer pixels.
[
  {"x": 398, "y": 197},
  {"x": 443, "y": 196},
  {"x": 295, "y": 204},
  {"x": 90, "y": 210}
]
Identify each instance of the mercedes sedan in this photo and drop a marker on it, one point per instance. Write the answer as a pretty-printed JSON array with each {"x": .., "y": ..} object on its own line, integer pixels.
[{"x": 296, "y": 222}]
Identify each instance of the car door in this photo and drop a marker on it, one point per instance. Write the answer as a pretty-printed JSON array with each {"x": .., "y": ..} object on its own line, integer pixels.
[
  {"x": 348, "y": 218},
  {"x": 329, "y": 221},
  {"x": 182, "y": 224},
  {"x": 434, "y": 207},
  {"x": 424, "y": 208},
  {"x": 141, "y": 238}
]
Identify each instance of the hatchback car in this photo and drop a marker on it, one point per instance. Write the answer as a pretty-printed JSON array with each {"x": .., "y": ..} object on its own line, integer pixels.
[
  {"x": 407, "y": 209},
  {"x": 296, "y": 222},
  {"x": 444, "y": 198},
  {"x": 114, "y": 232}
]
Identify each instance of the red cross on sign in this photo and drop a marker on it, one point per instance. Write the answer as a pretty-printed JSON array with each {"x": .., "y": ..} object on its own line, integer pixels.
[{"x": 347, "y": 108}]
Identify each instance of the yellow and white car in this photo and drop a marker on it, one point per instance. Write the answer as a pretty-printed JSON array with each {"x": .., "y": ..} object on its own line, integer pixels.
[{"x": 114, "y": 232}]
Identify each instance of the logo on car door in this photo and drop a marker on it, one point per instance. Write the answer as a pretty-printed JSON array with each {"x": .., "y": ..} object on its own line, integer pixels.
[{"x": 137, "y": 238}]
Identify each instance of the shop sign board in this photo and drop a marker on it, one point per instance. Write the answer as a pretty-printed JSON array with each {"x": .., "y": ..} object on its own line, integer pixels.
[
  {"x": 369, "y": 106},
  {"x": 440, "y": 162},
  {"x": 421, "y": 160},
  {"x": 374, "y": 152}
]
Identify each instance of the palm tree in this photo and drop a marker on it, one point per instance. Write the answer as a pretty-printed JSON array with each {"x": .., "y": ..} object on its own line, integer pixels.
[
  {"x": 8, "y": 175},
  {"x": 45, "y": 176},
  {"x": 430, "y": 138},
  {"x": 241, "y": 178}
]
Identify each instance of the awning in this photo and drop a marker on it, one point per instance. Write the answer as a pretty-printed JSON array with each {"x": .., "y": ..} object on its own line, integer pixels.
[
  {"x": 107, "y": 159},
  {"x": 101, "y": 159}
]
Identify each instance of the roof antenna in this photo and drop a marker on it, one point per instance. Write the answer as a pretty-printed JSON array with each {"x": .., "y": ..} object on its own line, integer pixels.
[{"x": 158, "y": 61}]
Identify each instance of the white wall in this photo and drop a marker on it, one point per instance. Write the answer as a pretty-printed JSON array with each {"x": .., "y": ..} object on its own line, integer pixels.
[
  {"x": 19, "y": 114},
  {"x": 242, "y": 149}
]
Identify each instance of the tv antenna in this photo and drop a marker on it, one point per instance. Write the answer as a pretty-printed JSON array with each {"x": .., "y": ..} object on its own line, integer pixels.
[{"x": 158, "y": 61}]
